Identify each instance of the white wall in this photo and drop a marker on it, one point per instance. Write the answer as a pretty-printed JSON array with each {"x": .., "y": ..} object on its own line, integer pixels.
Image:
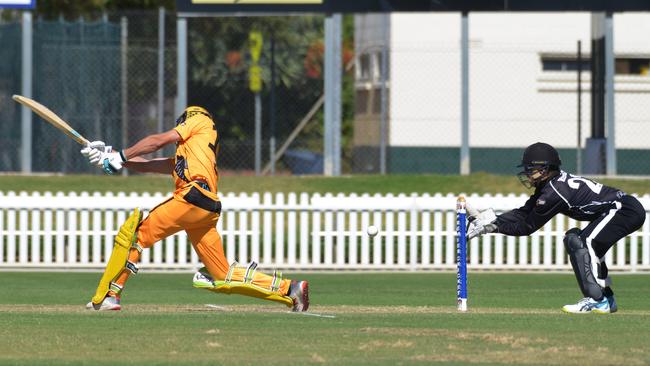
[{"x": 512, "y": 102}]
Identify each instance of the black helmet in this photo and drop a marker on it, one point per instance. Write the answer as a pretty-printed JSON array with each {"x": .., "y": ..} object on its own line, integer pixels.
[
  {"x": 540, "y": 162},
  {"x": 541, "y": 153}
]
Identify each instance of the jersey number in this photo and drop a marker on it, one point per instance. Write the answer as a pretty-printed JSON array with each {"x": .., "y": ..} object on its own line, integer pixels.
[{"x": 574, "y": 183}]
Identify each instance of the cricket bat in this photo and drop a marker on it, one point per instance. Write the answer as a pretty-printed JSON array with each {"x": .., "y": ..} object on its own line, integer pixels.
[{"x": 51, "y": 117}]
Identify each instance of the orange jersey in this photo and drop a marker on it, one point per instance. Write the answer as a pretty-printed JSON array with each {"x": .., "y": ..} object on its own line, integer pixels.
[{"x": 196, "y": 154}]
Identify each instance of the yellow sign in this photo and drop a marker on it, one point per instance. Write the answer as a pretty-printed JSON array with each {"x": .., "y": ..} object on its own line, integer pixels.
[
  {"x": 255, "y": 45},
  {"x": 255, "y": 78},
  {"x": 255, "y": 71},
  {"x": 259, "y": 2}
]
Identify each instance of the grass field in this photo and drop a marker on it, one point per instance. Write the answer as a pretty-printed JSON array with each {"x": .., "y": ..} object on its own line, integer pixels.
[
  {"x": 380, "y": 319},
  {"x": 474, "y": 183}
]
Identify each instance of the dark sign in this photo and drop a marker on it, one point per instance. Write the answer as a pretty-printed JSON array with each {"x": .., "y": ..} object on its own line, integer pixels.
[
  {"x": 18, "y": 4},
  {"x": 366, "y": 6}
]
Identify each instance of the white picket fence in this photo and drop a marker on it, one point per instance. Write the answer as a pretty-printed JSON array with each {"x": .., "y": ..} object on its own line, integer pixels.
[{"x": 293, "y": 231}]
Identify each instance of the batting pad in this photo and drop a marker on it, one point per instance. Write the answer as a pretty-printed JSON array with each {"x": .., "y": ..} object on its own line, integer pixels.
[
  {"x": 203, "y": 280},
  {"x": 124, "y": 240}
]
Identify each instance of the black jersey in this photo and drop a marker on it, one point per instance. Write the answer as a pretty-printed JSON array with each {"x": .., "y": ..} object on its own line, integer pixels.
[{"x": 577, "y": 197}]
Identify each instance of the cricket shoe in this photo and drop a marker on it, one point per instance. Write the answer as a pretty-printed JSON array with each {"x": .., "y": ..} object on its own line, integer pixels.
[
  {"x": 612, "y": 304},
  {"x": 609, "y": 294},
  {"x": 202, "y": 279},
  {"x": 109, "y": 303},
  {"x": 588, "y": 305},
  {"x": 299, "y": 293}
]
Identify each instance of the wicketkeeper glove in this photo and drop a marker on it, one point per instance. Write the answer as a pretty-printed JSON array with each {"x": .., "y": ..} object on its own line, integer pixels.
[{"x": 481, "y": 222}]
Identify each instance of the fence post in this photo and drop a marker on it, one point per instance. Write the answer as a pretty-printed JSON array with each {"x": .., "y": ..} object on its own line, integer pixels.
[
  {"x": 279, "y": 228},
  {"x": 181, "y": 65},
  {"x": 333, "y": 67},
  {"x": 464, "y": 51},
  {"x": 124, "y": 68},
  {"x": 26, "y": 90},
  {"x": 292, "y": 228},
  {"x": 161, "y": 72}
]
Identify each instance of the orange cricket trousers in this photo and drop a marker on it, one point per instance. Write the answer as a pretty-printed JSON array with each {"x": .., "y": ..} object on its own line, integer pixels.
[{"x": 176, "y": 214}]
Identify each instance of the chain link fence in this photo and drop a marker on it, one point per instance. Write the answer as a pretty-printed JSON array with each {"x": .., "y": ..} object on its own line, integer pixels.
[
  {"x": 102, "y": 75},
  {"x": 10, "y": 38},
  {"x": 523, "y": 88},
  {"x": 292, "y": 82}
]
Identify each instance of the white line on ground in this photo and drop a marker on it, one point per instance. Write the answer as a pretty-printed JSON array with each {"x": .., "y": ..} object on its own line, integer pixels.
[
  {"x": 216, "y": 307},
  {"x": 312, "y": 314}
]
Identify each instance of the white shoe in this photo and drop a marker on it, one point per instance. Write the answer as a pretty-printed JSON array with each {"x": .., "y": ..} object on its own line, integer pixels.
[
  {"x": 588, "y": 305},
  {"x": 202, "y": 279},
  {"x": 109, "y": 303}
]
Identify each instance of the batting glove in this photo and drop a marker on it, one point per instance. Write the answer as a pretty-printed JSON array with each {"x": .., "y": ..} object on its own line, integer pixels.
[
  {"x": 93, "y": 150},
  {"x": 112, "y": 161}
]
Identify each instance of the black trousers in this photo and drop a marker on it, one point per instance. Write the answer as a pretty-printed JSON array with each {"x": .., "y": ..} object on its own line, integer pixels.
[{"x": 625, "y": 217}]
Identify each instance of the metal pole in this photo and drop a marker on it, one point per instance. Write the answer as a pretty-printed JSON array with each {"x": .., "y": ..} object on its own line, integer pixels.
[
  {"x": 124, "y": 34},
  {"x": 26, "y": 90},
  {"x": 327, "y": 119},
  {"x": 161, "y": 71},
  {"x": 336, "y": 108},
  {"x": 609, "y": 94},
  {"x": 383, "y": 128},
  {"x": 464, "y": 50},
  {"x": 258, "y": 134},
  {"x": 272, "y": 108},
  {"x": 332, "y": 128},
  {"x": 181, "y": 65},
  {"x": 579, "y": 142}
]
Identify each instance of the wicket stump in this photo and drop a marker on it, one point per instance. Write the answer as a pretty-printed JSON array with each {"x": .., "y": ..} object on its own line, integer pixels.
[{"x": 461, "y": 254}]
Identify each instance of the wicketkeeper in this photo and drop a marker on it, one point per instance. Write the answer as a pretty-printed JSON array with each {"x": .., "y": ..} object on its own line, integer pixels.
[
  {"x": 193, "y": 207},
  {"x": 612, "y": 215}
]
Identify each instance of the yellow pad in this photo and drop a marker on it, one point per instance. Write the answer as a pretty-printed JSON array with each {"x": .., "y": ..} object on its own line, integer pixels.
[
  {"x": 247, "y": 289},
  {"x": 124, "y": 240}
]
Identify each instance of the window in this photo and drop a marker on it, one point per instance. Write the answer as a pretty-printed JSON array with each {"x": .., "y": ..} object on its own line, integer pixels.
[
  {"x": 365, "y": 67},
  {"x": 379, "y": 66},
  {"x": 633, "y": 66},
  {"x": 564, "y": 64},
  {"x": 624, "y": 65}
]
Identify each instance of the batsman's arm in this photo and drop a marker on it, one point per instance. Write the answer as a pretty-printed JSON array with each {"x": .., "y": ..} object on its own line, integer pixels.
[
  {"x": 142, "y": 165},
  {"x": 151, "y": 144}
]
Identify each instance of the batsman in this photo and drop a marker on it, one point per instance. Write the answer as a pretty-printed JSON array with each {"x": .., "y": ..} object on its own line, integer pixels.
[
  {"x": 611, "y": 215},
  {"x": 194, "y": 207}
]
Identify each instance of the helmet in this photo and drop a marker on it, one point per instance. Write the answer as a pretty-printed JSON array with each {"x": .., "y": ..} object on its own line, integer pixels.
[
  {"x": 190, "y": 112},
  {"x": 540, "y": 162}
]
